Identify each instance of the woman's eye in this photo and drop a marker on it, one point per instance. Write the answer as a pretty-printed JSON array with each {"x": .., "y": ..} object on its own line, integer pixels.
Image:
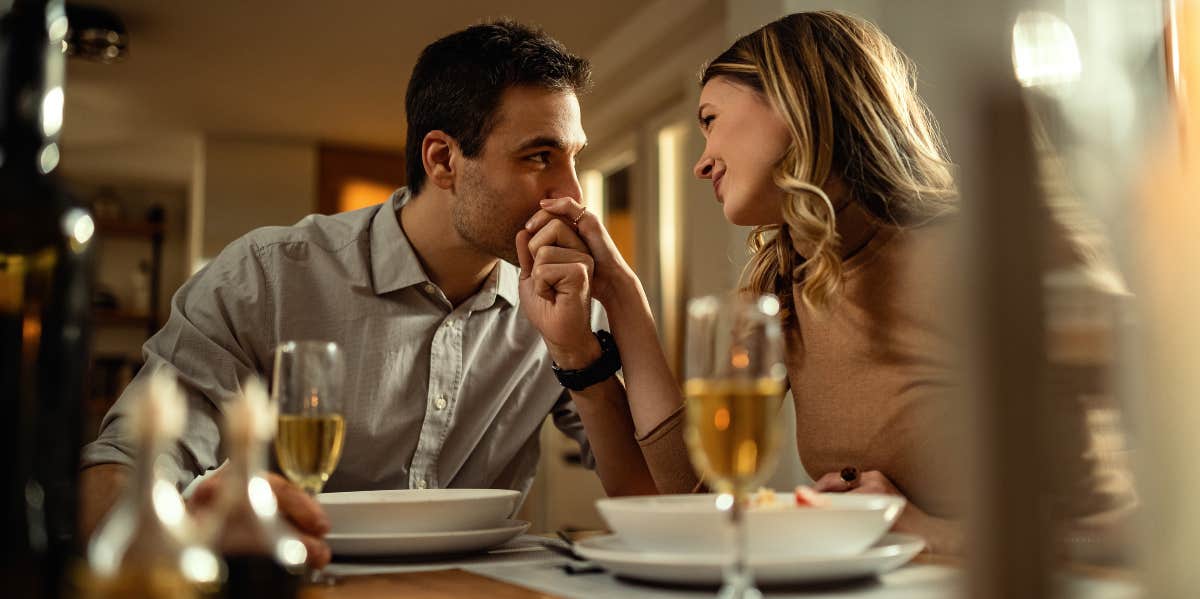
[{"x": 707, "y": 121}]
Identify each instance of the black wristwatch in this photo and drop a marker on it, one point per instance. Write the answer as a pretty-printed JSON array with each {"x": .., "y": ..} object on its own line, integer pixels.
[{"x": 605, "y": 366}]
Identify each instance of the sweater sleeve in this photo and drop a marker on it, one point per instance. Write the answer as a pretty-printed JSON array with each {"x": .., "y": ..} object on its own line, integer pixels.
[{"x": 666, "y": 456}]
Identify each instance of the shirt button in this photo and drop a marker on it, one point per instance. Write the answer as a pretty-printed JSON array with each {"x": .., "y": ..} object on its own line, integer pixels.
[
  {"x": 429, "y": 288},
  {"x": 440, "y": 403},
  {"x": 421, "y": 484}
]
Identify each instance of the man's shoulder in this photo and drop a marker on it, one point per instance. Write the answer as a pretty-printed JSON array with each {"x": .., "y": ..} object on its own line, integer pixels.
[
  {"x": 322, "y": 241},
  {"x": 330, "y": 233}
]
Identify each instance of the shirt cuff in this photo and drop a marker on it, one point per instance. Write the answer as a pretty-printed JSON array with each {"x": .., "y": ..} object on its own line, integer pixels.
[{"x": 99, "y": 452}]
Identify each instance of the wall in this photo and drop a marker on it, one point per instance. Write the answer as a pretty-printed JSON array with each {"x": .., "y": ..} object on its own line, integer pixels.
[{"x": 242, "y": 184}]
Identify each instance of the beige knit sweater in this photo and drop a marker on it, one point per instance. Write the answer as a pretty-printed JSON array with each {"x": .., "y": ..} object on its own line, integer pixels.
[{"x": 873, "y": 375}]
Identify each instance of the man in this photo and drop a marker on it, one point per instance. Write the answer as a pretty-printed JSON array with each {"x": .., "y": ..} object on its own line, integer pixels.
[{"x": 448, "y": 379}]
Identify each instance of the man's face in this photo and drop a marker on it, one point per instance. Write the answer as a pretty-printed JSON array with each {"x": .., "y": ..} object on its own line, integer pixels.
[{"x": 529, "y": 156}]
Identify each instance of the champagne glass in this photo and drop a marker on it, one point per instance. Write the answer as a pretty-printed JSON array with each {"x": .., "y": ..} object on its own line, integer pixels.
[
  {"x": 734, "y": 388},
  {"x": 307, "y": 388}
]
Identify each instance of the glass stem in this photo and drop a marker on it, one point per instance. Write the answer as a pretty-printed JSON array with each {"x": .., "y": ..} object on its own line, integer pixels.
[
  {"x": 318, "y": 575},
  {"x": 738, "y": 517},
  {"x": 739, "y": 581}
]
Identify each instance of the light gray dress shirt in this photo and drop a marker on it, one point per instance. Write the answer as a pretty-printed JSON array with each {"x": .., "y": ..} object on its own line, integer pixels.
[{"x": 436, "y": 396}]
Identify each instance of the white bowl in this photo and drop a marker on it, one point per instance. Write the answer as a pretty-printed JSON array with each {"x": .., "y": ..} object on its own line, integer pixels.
[
  {"x": 424, "y": 543},
  {"x": 417, "y": 510},
  {"x": 692, "y": 524}
]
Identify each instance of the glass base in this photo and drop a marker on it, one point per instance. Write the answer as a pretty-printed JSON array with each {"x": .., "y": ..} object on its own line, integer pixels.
[
  {"x": 320, "y": 577},
  {"x": 738, "y": 586}
]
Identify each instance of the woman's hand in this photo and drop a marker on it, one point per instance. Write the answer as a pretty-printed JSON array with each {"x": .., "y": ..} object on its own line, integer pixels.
[
  {"x": 872, "y": 481},
  {"x": 941, "y": 535},
  {"x": 612, "y": 275}
]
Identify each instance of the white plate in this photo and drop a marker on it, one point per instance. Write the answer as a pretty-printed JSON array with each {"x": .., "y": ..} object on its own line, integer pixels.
[
  {"x": 891, "y": 552},
  {"x": 850, "y": 524},
  {"x": 417, "y": 510},
  {"x": 424, "y": 543}
]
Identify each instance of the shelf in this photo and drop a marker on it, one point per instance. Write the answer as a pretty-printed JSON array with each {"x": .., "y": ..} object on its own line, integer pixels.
[
  {"x": 128, "y": 228},
  {"x": 116, "y": 357},
  {"x": 120, "y": 319}
]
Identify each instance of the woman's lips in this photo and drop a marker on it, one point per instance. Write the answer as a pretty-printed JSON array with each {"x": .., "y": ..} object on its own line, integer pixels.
[{"x": 717, "y": 186}]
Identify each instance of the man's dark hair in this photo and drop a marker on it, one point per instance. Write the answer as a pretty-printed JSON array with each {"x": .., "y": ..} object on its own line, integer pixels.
[{"x": 458, "y": 80}]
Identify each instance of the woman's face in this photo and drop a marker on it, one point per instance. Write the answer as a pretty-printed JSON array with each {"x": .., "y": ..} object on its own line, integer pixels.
[{"x": 746, "y": 138}]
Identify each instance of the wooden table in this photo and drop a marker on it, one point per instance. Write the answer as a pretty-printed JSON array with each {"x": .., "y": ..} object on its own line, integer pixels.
[
  {"x": 442, "y": 584},
  {"x": 458, "y": 583}
]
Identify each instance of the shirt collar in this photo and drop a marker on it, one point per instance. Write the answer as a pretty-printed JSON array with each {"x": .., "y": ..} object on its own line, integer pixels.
[
  {"x": 394, "y": 263},
  {"x": 509, "y": 276},
  {"x": 501, "y": 283}
]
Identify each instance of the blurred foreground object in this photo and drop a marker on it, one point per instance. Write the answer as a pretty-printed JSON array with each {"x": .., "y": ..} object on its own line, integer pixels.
[
  {"x": 260, "y": 548},
  {"x": 147, "y": 546},
  {"x": 1169, "y": 263},
  {"x": 45, "y": 291}
]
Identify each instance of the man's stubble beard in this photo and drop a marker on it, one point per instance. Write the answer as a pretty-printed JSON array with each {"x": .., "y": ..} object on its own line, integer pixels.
[{"x": 479, "y": 218}]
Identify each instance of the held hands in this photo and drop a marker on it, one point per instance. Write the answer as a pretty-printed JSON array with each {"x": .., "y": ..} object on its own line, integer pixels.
[
  {"x": 556, "y": 288},
  {"x": 612, "y": 274}
]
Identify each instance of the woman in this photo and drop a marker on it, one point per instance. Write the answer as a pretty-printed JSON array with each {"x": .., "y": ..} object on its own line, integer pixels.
[{"x": 817, "y": 138}]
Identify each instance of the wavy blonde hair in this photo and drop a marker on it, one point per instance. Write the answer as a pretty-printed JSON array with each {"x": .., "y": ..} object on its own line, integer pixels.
[{"x": 848, "y": 97}]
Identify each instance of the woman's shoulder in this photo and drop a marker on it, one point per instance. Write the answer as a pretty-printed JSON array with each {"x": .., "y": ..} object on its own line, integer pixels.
[
  {"x": 930, "y": 246},
  {"x": 936, "y": 232},
  {"x": 911, "y": 273}
]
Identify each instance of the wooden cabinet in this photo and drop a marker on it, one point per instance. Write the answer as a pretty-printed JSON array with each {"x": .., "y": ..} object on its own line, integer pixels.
[
  {"x": 151, "y": 231},
  {"x": 140, "y": 250}
]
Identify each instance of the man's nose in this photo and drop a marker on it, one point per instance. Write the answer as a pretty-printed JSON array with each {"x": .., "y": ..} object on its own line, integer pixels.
[{"x": 566, "y": 186}]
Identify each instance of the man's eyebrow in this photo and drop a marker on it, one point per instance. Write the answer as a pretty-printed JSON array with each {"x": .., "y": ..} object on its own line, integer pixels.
[{"x": 546, "y": 141}]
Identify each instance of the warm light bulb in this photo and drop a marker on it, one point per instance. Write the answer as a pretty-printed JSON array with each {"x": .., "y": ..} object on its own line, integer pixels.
[{"x": 1044, "y": 50}]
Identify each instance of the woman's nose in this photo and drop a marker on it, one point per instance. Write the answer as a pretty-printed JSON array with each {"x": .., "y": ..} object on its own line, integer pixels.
[{"x": 703, "y": 168}]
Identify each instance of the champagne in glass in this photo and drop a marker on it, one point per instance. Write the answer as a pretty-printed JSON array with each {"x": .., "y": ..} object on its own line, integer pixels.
[
  {"x": 307, "y": 381},
  {"x": 734, "y": 389},
  {"x": 309, "y": 447},
  {"x": 733, "y": 438},
  {"x": 307, "y": 389}
]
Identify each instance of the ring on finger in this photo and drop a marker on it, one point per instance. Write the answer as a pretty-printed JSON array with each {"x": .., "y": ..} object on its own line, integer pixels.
[
  {"x": 849, "y": 476},
  {"x": 579, "y": 217}
]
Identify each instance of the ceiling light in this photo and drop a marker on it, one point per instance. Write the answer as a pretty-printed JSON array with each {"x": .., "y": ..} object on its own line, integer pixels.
[{"x": 96, "y": 34}]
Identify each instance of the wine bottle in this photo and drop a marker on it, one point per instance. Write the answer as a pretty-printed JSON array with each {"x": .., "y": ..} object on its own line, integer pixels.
[{"x": 45, "y": 290}]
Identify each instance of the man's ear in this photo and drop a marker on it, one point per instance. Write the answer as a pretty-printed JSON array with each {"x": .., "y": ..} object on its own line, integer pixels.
[{"x": 438, "y": 151}]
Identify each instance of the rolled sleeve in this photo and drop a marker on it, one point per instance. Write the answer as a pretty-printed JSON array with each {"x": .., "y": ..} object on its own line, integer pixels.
[{"x": 218, "y": 334}]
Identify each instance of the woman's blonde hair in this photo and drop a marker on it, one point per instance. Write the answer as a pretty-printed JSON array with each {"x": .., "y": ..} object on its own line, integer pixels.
[{"x": 849, "y": 100}]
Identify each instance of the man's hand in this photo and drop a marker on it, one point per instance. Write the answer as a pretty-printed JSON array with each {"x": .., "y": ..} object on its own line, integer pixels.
[
  {"x": 555, "y": 288},
  {"x": 302, "y": 511}
]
